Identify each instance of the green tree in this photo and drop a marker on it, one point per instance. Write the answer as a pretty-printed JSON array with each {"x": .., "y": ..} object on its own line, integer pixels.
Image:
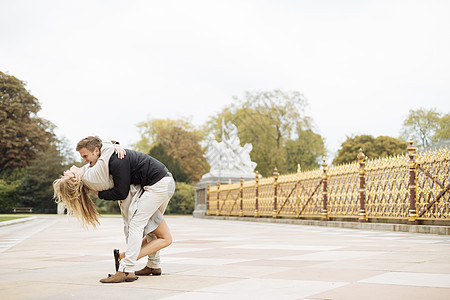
[
  {"x": 272, "y": 122},
  {"x": 36, "y": 188},
  {"x": 421, "y": 125},
  {"x": 181, "y": 141},
  {"x": 183, "y": 200},
  {"x": 10, "y": 181},
  {"x": 306, "y": 150},
  {"x": 149, "y": 131},
  {"x": 105, "y": 206},
  {"x": 8, "y": 195},
  {"x": 443, "y": 131},
  {"x": 160, "y": 153},
  {"x": 372, "y": 148},
  {"x": 22, "y": 134}
]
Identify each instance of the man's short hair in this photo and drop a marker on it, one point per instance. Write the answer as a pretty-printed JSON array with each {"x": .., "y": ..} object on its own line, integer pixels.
[{"x": 90, "y": 143}]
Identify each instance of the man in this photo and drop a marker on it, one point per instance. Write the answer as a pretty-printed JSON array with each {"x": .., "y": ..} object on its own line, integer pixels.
[{"x": 158, "y": 187}]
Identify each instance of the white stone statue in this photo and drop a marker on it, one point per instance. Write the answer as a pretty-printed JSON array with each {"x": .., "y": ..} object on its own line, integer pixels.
[{"x": 228, "y": 158}]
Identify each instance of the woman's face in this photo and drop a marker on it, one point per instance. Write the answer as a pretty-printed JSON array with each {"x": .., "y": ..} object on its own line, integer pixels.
[{"x": 73, "y": 172}]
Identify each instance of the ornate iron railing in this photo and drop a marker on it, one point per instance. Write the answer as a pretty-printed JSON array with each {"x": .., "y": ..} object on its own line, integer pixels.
[{"x": 410, "y": 187}]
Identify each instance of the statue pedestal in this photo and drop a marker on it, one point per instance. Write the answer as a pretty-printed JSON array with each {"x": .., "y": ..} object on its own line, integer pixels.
[{"x": 201, "y": 189}]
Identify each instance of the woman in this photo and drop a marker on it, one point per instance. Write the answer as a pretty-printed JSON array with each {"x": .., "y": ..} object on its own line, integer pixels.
[{"x": 73, "y": 190}]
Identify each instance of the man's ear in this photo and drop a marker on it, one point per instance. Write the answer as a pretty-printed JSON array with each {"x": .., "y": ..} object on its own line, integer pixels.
[{"x": 97, "y": 152}]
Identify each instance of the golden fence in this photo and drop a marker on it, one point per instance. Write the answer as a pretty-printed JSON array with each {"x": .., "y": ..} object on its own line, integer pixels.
[{"x": 410, "y": 187}]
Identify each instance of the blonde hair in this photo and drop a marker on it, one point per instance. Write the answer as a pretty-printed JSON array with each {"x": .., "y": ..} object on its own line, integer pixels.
[{"x": 75, "y": 196}]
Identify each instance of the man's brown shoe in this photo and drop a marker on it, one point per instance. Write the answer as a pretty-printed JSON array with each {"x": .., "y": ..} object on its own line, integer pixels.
[
  {"x": 148, "y": 271},
  {"x": 119, "y": 277}
]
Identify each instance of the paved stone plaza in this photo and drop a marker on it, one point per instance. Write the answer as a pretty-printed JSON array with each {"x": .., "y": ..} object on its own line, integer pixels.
[{"x": 53, "y": 257}]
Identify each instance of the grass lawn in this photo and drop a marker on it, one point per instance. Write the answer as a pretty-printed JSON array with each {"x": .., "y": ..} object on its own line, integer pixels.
[{"x": 9, "y": 218}]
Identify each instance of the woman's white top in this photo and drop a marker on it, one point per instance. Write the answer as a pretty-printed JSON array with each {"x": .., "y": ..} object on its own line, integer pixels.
[{"x": 98, "y": 178}]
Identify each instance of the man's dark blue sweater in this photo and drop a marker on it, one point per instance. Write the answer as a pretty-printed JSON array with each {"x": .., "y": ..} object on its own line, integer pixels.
[{"x": 134, "y": 168}]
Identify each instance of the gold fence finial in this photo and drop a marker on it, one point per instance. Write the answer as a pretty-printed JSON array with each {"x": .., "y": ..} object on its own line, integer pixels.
[
  {"x": 324, "y": 164},
  {"x": 298, "y": 168},
  {"x": 275, "y": 173},
  {"x": 411, "y": 149},
  {"x": 361, "y": 156}
]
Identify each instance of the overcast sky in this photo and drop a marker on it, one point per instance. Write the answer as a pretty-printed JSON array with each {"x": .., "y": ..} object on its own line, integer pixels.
[{"x": 101, "y": 67}]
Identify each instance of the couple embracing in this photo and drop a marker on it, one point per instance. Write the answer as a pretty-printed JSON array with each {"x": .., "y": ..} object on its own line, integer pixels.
[{"x": 143, "y": 187}]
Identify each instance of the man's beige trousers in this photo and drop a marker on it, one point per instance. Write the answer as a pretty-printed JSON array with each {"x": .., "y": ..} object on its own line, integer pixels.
[{"x": 154, "y": 197}]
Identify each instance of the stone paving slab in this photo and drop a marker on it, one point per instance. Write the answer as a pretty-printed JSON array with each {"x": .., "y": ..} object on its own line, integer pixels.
[{"x": 53, "y": 257}]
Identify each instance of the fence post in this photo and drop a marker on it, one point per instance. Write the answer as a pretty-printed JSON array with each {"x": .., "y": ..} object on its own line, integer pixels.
[
  {"x": 241, "y": 211},
  {"x": 325, "y": 192},
  {"x": 218, "y": 197},
  {"x": 362, "y": 187},
  {"x": 207, "y": 199},
  {"x": 256, "y": 194},
  {"x": 412, "y": 184},
  {"x": 275, "y": 193}
]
